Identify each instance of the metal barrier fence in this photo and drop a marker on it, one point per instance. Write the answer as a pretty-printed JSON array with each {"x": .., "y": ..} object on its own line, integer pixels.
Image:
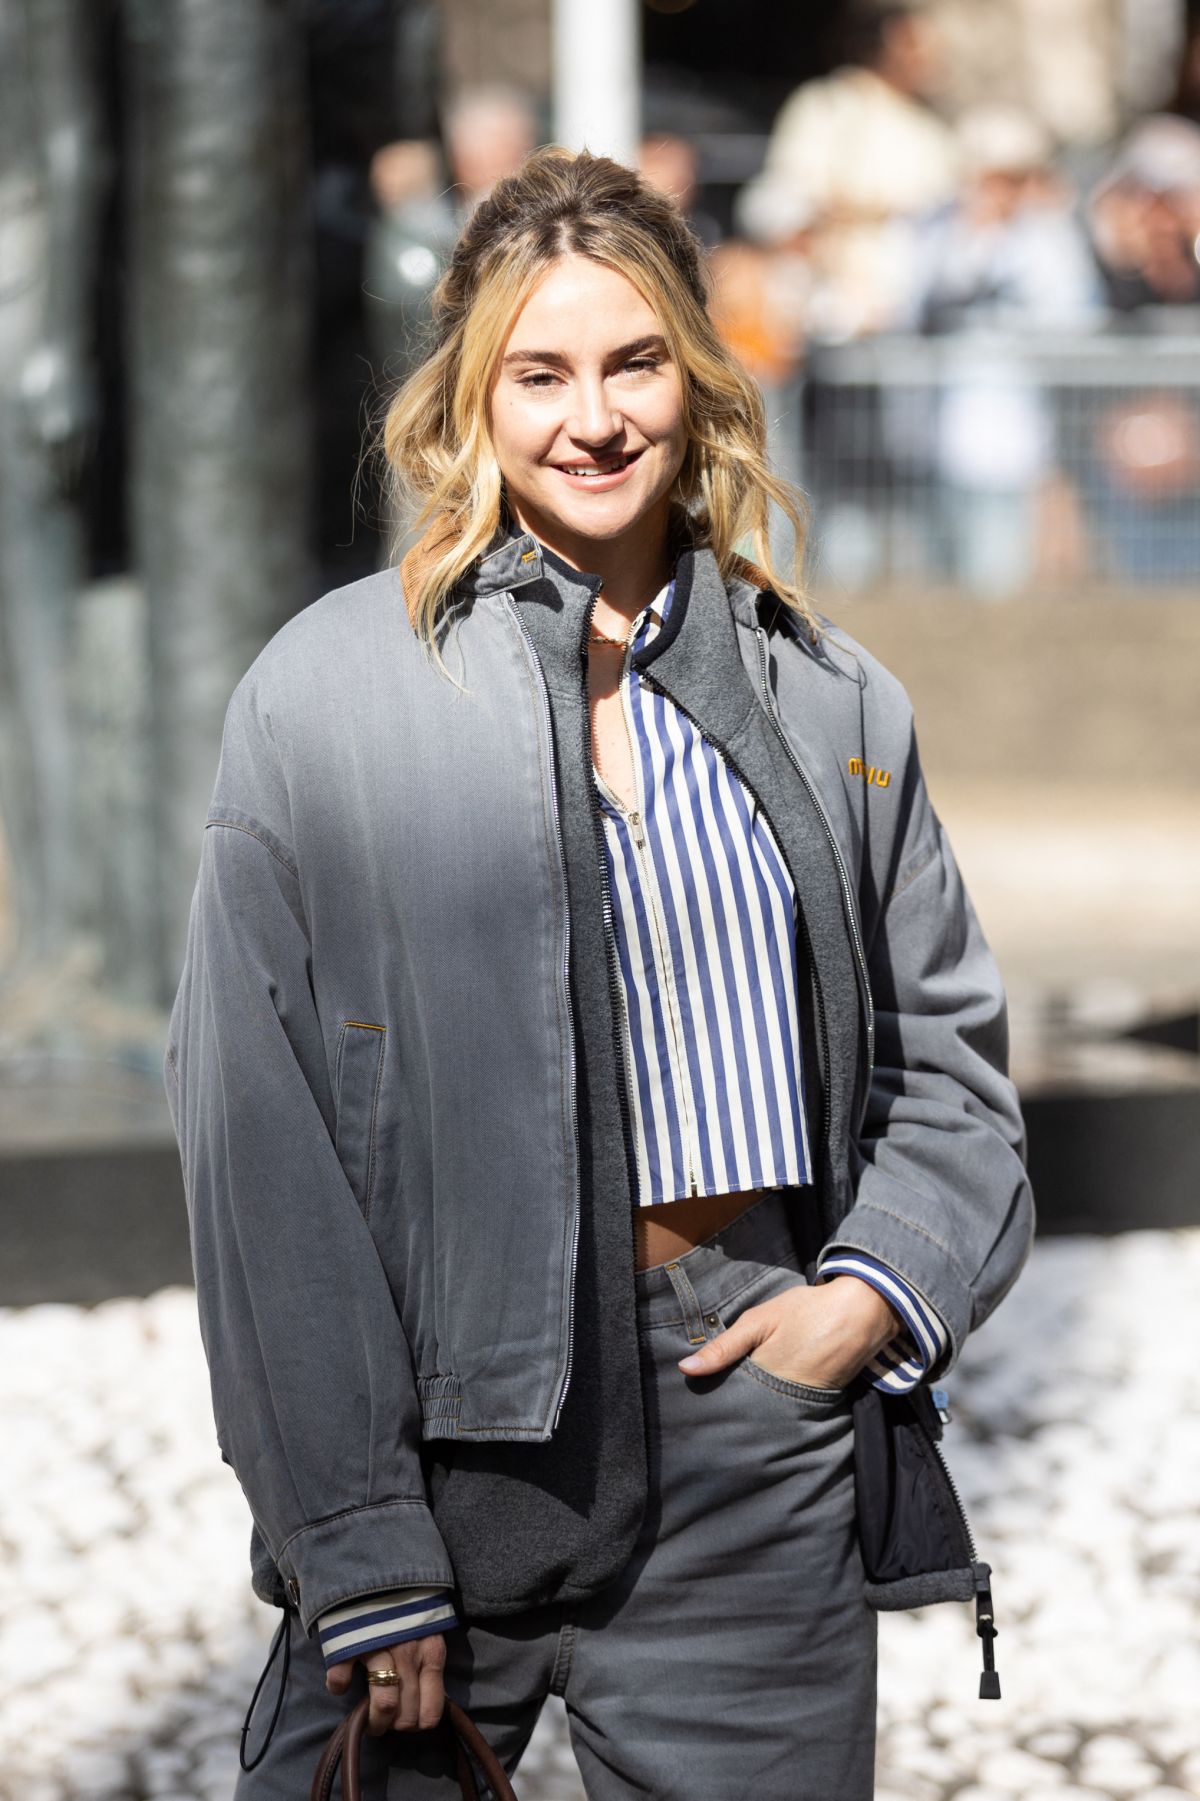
[{"x": 995, "y": 463}]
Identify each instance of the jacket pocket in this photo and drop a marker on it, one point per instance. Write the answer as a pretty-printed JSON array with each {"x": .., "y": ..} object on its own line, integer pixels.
[
  {"x": 358, "y": 1075},
  {"x": 915, "y": 1541}
]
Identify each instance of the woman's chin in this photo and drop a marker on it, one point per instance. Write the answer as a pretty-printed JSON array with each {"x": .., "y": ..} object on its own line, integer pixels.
[{"x": 602, "y": 518}]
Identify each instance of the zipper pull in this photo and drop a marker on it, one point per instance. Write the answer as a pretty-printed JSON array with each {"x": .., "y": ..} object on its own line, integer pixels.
[
  {"x": 941, "y": 1401},
  {"x": 635, "y": 822},
  {"x": 985, "y": 1626}
]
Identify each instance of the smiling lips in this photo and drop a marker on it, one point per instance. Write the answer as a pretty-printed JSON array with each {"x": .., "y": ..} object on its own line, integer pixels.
[{"x": 593, "y": 474}]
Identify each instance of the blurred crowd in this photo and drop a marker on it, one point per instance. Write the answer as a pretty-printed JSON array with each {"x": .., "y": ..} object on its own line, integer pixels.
[{"x": 876, "y": 216}]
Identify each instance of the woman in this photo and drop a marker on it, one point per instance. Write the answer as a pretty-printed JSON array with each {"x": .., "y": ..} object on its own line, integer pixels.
[{"x": 583, "y": 878}]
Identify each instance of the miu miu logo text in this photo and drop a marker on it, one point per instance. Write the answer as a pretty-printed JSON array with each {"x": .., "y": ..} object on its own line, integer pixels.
[{"x": 869, "y": 773}]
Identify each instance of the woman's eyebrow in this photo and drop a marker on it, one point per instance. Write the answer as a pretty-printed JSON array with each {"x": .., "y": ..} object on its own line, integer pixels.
[{"x": 654, "y": 341}]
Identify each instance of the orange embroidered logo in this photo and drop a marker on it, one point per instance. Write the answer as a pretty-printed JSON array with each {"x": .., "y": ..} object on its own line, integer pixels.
[{"x": 869, "y": 773}]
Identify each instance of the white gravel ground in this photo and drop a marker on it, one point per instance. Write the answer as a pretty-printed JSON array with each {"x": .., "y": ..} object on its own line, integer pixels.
[{"x": 1075, "y": 1442}]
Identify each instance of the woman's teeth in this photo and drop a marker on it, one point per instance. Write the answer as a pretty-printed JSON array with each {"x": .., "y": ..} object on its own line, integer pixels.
[{"x": 596, "y": 468}]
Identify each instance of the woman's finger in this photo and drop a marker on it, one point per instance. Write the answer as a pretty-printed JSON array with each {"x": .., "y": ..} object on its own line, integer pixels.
[
  {"x": 406, "y": 1659},
  {"x": 432, "y": 1687},
  {"x": 337, "y": 1676},
  {"x": 746, "y": 1331},
  {"x": 386, "y": 1702}
]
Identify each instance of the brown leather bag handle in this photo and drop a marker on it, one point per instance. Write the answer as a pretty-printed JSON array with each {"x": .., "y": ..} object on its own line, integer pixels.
[{"x": 343, "y": 1749}]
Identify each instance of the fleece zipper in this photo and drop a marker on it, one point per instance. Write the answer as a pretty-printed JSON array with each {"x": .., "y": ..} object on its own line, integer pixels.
[{"x": 547, "y": 723}]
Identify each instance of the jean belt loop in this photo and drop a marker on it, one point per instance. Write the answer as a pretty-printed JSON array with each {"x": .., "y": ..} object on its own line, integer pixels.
[{"x": 685, "y": 1294}]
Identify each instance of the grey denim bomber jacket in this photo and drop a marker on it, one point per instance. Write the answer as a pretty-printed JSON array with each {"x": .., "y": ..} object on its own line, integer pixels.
[{"x": 371, "y": 1065}]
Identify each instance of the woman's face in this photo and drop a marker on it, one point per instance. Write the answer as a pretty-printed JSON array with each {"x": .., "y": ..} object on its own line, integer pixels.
[{"x": 587, "y": 412}]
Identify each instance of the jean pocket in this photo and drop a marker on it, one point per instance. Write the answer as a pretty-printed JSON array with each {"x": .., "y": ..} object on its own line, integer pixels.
[{"x": 802, "y": 1391}]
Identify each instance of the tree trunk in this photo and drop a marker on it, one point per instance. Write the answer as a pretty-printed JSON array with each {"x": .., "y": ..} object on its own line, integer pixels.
[{"x": 219, "y": 355}]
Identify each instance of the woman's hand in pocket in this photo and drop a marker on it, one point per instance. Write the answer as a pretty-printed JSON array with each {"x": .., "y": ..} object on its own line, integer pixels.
[{"x": 820, "y": 1335}]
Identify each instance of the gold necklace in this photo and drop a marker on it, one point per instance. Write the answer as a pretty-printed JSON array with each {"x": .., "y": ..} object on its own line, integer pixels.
[{"x": 596, "y": 637}]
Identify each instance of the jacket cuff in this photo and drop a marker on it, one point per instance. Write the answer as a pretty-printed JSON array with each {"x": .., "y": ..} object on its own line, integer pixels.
[
  {"x": 913, "y": 1353},
  {"x": 370, "y": 1622},
  {"x": 392, "y": 1544},
  {"x": 927, "y": 1265}
]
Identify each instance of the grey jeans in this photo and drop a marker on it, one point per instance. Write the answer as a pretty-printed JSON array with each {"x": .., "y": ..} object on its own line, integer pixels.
[{"x": 734, "y": 1654}]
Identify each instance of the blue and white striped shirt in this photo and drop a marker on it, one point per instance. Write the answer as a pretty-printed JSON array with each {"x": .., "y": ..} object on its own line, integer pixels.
[
  {"x": 704, "y": 919},
  {"x": 704, "y": 916}
]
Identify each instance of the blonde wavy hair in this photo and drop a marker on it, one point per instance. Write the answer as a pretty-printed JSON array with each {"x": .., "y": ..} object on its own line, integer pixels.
[{"x": 436, "y": 444}]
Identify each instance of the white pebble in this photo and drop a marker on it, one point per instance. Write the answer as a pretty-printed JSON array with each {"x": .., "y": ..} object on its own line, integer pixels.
[
  {"x": 132, "y": 1541},
  {"x": 1018, "y": 1771}
]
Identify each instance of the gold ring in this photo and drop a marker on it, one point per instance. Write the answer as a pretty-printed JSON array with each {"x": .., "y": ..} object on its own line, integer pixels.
[{"x": 389, "y": 1678}]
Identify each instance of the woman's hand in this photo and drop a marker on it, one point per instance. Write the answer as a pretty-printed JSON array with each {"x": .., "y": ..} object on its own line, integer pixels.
[
  {"x": 820, "y": 1334},
  {"x": 419, "y": 1699}
]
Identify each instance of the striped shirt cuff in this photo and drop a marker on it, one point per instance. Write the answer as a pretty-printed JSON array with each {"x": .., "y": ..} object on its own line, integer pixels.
[
  {"x": 374, "y": 1621},
  {"x": 909, "y": 1357}
]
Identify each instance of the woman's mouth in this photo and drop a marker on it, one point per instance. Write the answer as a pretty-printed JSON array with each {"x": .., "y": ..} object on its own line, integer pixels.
[{"x": 604, "y": 473}]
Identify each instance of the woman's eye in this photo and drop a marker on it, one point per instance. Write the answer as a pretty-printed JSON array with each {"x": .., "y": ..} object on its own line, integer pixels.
[
  {"x": 541, "y": 379},
  {"x": 642, "y": 362}
]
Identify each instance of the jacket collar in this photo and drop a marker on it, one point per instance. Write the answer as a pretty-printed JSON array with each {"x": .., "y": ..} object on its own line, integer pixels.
[
  {"x": 513, "y": 560},
  {"x": 516, "y": 560}
]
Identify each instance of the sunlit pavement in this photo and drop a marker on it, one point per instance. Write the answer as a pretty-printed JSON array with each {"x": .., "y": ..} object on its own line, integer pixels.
[{"x": 130, "y": 1640}]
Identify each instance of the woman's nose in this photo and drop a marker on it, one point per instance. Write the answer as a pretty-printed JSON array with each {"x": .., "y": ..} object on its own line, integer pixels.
[{"x": 594, "y": 421}]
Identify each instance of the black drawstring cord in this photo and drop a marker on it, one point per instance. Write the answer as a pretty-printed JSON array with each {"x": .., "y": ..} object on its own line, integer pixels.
[{"x": 283, "y": 1631}]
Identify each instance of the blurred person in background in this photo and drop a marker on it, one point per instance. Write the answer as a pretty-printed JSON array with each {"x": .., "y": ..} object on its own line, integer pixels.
[
  {"x": 854, "y": 160},
  {"x": 410, "y": 241},
  {"x": 489, "y": 132},
  {"x": 575, "y": 1236},
  {"x": 1008, "y": 250},
  {"x": 1144, "y": 449},
  {"x": 1144, "y": 217},
  {"x": 1008, "y": 255},
  {"x": 423, "y": 193},
  {"x": 670, "y": 162}
]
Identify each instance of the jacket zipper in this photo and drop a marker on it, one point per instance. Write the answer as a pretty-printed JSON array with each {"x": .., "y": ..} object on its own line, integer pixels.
[
  {"x": 847, "y": 891},
  {"x": 637, "y": 821},
  {"x": 935, "y": 1447},
  {"x": 827, "y": 1105},
  {"x": 985, "y": 1619},
  {"x": 566, "y": 975}
]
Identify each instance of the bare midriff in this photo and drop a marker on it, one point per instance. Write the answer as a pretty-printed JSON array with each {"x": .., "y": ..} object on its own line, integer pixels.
[{"x": 666, "y": 1231}]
